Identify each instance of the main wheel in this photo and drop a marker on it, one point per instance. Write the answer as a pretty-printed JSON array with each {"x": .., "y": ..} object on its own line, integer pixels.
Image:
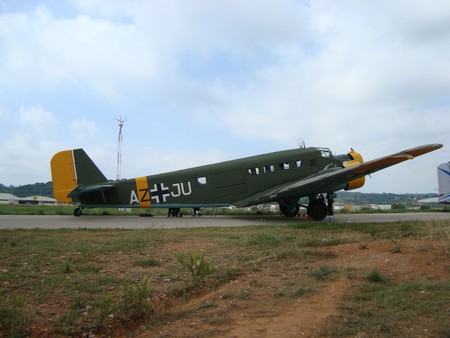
[
  {"x": 317, "y": 210},
  {"x": 289, "y": 210}
]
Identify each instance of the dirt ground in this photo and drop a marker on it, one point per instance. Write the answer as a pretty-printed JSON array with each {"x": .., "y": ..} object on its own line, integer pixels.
[
  {"x": 289, "y": 291},
  {"x": 259, "y": 304}
]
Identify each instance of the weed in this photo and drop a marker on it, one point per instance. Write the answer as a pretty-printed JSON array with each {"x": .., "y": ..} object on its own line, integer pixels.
[
  {"x": 195, "y": 264},
  {"x": 301, "y": 290},
  {"x": 106, "y": 307},
  {"x": 323, "y": 273},
  {"x": 375, "y": 276},
  {"x": 135, "y": 301},
  {"x": 68, "y": 266},
  {"x": 67, "y": 322},
  {"x": 228, "y": 274}
]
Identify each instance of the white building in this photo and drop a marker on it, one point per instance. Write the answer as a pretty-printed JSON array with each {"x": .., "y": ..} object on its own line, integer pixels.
[{"x": 8, "y": 198}]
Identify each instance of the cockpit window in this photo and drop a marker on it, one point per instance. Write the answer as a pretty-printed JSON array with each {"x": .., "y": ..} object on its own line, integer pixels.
[{"x": 325, "y": 153}]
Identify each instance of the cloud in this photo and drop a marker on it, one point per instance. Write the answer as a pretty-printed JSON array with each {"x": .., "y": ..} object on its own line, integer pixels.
[
  {"x": 239, "y": 76},
  {"x": 42, "y": 50},
  {"x": 37, "y": 119}
]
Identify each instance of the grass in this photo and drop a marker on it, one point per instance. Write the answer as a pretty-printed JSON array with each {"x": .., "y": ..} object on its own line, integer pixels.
[
  {"x": 28, "y": 209},
  {"x": 394, "y": 309},
  {"x": 80, "y": 281}
]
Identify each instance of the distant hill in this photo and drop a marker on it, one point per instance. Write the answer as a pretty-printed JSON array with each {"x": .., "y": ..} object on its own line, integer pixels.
[
  {"x": 39, "y": 189},
  {"x": 46, "y": 189}
]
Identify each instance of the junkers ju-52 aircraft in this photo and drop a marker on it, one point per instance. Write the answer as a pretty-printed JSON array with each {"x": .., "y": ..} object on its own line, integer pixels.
[{"x": 282, "y": 177}]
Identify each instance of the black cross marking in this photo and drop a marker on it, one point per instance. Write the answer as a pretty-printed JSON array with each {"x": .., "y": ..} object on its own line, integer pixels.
[{"x": 159, "y": 192}]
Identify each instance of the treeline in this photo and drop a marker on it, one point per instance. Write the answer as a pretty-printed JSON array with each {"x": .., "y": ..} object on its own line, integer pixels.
[{"x": 39, "y": 189}]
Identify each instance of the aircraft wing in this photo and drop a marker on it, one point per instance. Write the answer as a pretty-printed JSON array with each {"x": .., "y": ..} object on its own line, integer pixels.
[{"x": 333, "y": 179}]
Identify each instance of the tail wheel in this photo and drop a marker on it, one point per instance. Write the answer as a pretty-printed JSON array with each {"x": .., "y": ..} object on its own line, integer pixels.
[
  {"x": 77, "y": 212},
  {"x": 317, "y": 210},
  {"x": 289, "y": 210}
]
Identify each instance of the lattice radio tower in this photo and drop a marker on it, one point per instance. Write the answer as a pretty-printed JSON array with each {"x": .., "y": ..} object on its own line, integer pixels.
[{"x": 121, "y": 121}]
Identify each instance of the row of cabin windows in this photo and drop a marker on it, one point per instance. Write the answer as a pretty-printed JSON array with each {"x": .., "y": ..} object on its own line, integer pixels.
[
  {"x": 271, "y": 168},
  {"x": 265, "y": 169}
]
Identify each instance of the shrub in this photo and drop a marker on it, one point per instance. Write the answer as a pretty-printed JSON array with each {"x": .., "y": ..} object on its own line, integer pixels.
[
  {"x": 375, "y": 276},
  {"x": 135, "y": 302},
  {"x": 195, "y": 264}
]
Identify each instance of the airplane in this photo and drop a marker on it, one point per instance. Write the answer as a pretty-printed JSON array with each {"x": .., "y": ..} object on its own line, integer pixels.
[
  {"x": 443, "y": 171},
  {"x": 443, "y": 174},
  {"x": 282, "y": 177}
]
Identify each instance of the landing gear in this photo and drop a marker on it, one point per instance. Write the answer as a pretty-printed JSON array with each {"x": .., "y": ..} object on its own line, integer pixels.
[
  {"x": 196, "y": 212},
  {"x": 317, "y": 208},
  {"x": 174, "y": 212},
  {"x": 77, "y": 212},
  {"x": 289, "y": 209}
]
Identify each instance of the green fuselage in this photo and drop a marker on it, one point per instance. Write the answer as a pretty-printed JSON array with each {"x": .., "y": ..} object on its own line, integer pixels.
[{"x": 226, "y": 183}]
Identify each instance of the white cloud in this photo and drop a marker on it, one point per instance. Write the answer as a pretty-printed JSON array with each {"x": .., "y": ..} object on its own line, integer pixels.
[
  {"x": 368, "y": 75},
  {"x": 44, "y": 51},
  {"x": 37, "y": 119}
]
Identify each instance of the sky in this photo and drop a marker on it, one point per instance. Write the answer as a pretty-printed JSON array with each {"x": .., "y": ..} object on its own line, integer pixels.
[{"x": 203, "y": 81}]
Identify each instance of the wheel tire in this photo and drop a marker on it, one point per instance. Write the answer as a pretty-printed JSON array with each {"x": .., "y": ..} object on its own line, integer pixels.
[
  {"x": 77, "y": 212},
  {"x": 289, "y": 210},
  {"x": 317, "y": 210}
]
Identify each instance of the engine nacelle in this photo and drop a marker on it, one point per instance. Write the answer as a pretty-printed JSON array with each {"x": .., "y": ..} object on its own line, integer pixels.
[
  {"x": 356, "y": 159},
  {"x": 356, "y": 183}
]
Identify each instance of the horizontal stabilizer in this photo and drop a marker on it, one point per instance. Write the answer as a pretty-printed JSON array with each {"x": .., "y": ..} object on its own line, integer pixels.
[{"x": 91, "y": 188}]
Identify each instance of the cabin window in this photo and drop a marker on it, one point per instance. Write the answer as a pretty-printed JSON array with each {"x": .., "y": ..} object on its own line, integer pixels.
[
  {"x": 269, "y": 168},
  {"x": 254, "y": 171},
  {"x": 284, "y": 166},
  {"x": 201, "y": 180},
  {"x": 298, "y": 163}
]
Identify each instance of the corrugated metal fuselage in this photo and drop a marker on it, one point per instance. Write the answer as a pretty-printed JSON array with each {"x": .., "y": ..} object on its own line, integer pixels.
[{"x": 218, "y": 184}]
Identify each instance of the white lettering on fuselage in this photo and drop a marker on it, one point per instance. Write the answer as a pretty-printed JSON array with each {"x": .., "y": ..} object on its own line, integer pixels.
[
  {"x": 160, "y": 192},
  {"x": 181, "y": 190},
  {"x": 133, "y": 198}
]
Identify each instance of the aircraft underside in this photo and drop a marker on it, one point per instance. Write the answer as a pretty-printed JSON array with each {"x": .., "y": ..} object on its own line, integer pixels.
[{"x": 317, "y": 208}]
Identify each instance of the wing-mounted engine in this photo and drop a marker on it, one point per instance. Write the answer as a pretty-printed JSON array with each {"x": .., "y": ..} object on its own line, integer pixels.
[{"x": 354, "y": 158}]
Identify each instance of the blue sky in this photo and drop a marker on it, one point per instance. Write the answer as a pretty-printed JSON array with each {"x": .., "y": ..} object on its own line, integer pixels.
[{"x": 204, "y": 81}]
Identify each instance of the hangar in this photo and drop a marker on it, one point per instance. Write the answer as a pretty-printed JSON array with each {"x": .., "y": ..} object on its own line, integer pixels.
[{"x": 11, "y": 199}]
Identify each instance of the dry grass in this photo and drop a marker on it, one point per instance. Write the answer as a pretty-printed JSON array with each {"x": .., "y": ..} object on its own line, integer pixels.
[{"x": 113, "y": 282}]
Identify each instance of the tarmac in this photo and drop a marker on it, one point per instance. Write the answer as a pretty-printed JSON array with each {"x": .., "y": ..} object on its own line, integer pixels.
[{"x": 160, "y": 222}]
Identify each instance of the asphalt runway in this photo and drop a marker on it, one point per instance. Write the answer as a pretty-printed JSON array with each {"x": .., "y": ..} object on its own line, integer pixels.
[{"x": 160, "y": 222}]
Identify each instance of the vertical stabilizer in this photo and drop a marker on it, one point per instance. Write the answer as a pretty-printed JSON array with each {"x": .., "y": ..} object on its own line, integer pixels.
[
  {"x": 71, "y": 168},
  {"x": 444, "y": 182}
]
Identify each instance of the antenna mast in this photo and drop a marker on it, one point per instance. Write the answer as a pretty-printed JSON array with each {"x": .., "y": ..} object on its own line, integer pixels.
[{"x": 121, "y": 121}]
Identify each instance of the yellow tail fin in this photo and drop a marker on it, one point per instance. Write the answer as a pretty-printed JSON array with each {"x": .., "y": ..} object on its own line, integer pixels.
[{"x": 64, "y": 175}]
